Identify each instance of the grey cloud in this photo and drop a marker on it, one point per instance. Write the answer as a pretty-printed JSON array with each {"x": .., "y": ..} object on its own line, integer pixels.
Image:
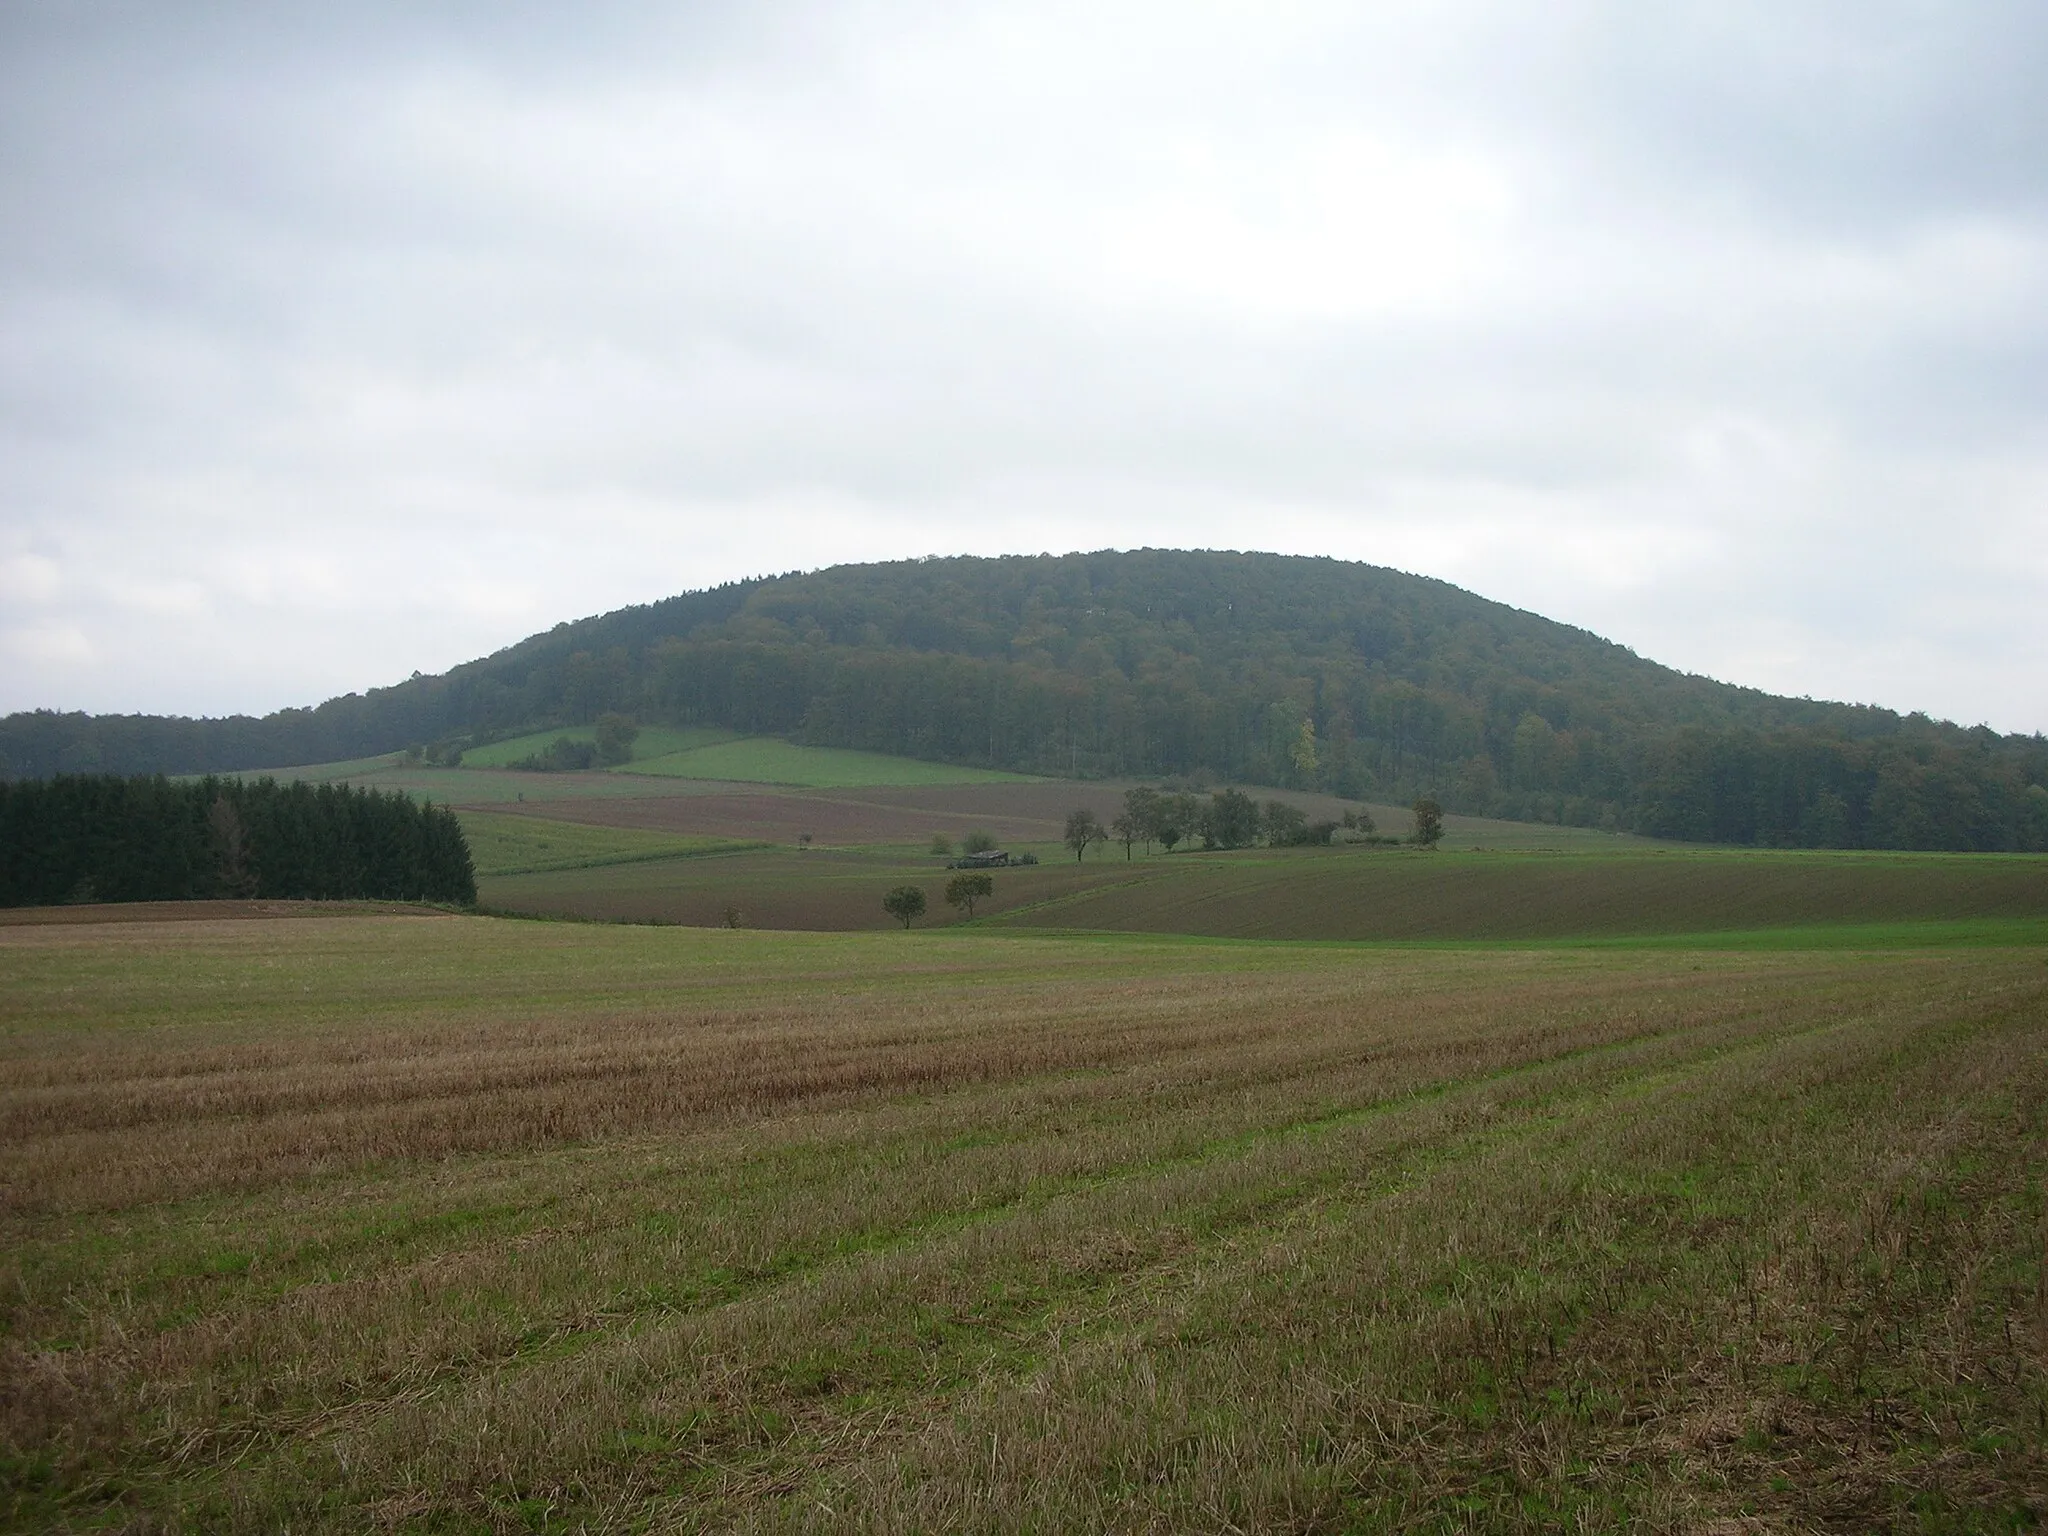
[{"x": 1676, "y": 322}]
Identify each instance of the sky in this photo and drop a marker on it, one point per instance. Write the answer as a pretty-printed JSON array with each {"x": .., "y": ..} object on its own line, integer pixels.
[{"x": 341, "y": 342}]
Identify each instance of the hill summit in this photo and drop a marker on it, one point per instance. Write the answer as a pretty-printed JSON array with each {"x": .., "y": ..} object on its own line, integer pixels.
[{"x": 1192, "y": 665}]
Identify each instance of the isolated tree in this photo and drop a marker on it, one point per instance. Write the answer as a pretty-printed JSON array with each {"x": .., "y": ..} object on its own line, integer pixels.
[
  {"x": 1083, "y": 829},
  {"x": 733, "y": 915},
  {"x": 965, "y": 890},
  {"x": 904, "y": 903},
  {"x": 942, "y": 846},
  {"x": 1429, "y": 822},
  {"x": 978, "y": 842},
  {"x": 615, "y": 737}
]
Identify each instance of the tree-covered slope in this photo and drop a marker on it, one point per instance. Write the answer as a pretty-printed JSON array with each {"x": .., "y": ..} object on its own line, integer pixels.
[{"x": 1263, "y": 668}]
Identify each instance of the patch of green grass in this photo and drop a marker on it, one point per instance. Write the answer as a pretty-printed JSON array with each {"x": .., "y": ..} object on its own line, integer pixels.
[
  {"x": 516, "y": 845},
  {"x": 652, "y": 741},
  {"x": 1411, "y": 894},
  {"x": 311, "y": 773},
  {"x": 770, "y": 760}
]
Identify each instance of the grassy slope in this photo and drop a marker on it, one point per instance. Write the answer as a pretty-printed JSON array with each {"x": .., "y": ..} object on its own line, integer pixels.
[
  {"x": 465, "y": 1224},
  {"x": 770, "y": 760},
  {"x": 667, "y": 761},
  {"x": 653, "y": 741},
  {"x": 510, "y": 845}
]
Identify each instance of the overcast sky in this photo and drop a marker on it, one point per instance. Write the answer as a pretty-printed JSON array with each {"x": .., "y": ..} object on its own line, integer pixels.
[{"x": 341, "y": 341}]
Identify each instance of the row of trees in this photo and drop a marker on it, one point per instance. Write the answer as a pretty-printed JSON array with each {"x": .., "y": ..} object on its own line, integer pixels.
[
  {"x": 102, "y": 837},
  {"x": 1228, "y": 818}
]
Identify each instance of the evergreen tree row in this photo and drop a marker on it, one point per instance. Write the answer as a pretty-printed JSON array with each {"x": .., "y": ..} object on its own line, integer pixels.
[{"x": 102, "y": 837}]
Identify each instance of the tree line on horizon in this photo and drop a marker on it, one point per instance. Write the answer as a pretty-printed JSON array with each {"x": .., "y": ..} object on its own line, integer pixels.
[
  {"x": 1198, "y": 667},
  {"x": 105, "y": 837}
]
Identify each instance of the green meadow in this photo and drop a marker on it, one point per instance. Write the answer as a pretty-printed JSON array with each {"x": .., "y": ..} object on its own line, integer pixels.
[
  {"x": 502, "y": 845},
  {"x": 689, "y": 752},
  {"x": 652, "y": 741},
  {"x": 771, "y": 760},
  {"x": 1334, "y": 894}
]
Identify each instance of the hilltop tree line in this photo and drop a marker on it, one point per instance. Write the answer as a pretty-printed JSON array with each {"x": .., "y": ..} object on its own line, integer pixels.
[
  {"x": 103, "y": 837},
  {"x": 1309, "y": 674}
]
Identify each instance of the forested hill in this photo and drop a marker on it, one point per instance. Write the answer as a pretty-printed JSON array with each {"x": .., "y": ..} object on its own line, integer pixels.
[{"x": 1258, "y": 668}]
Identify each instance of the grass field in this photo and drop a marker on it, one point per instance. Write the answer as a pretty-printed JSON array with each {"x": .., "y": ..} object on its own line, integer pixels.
[
  {"x": 517, "y": 845},
  {"x": 652, "y": 741},
  {"x": 1328, "y": 894},
  {"x": 770, "y": 760},
  {"x": 1415, "y": 894},
  {"x": 442, "y": 1223}
]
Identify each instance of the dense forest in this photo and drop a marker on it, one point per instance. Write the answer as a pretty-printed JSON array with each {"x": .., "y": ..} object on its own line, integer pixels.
[
  {"x": 1187, "y": 666},
  {"x": 101, "y": 837}
]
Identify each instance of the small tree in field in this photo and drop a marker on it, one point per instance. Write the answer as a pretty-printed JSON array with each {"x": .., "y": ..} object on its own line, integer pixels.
[
  {"x": 1125, "y": 829},
  {"x": 904, "y": 903},
  {"x": 965, "y": 890},
  {"x": 942, "y": 845},
  {"x": 1429, "y": 822},
  {"x": 1083, "y": 829},
  {"x": 978, "y": 842}
]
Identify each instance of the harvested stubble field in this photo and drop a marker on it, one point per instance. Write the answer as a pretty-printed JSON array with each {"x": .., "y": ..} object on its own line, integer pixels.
[{"x": 440, "y": 1223}]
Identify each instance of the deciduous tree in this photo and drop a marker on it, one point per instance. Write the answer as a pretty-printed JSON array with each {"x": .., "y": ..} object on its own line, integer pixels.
[
  {"x": 1083, "y": 829},
  {"x": 965, "y": 890},
  {"x": 1429, "y": 822},
  {"x": 905, "y": 903}
]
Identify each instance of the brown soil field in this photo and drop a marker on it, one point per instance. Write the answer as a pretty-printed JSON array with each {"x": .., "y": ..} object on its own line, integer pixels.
[{"x": 824, "y": 890}]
